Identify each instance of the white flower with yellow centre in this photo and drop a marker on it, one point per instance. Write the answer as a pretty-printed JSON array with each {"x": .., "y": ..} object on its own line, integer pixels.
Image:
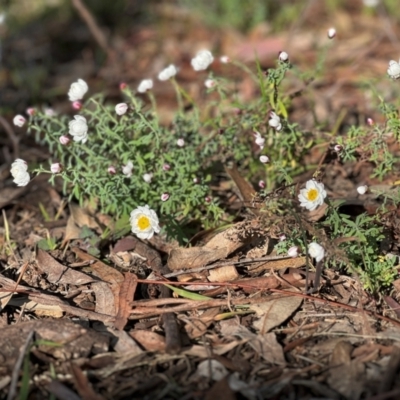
[
  {"x": 144, "y": 222},
  {"x": 313, "y": 195}
]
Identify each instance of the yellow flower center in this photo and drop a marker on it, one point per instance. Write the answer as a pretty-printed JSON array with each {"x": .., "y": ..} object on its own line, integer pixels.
[
  {"x": 143, "y": 222},
  {"x": 312, "y": 194}
]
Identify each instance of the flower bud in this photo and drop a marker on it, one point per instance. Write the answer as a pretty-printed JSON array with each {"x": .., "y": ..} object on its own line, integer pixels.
[
  {"x": 123, "y": 86},
  {"x": 145, "y": 85},
  {"x": 147, "y": 177},
  {"x": 338, "y": 148},
  {"x": 331, "y": 33},
  {"x": 19, "y": 121},
  {"x": 166, "y": 167},
  {"x": 370, "y": 122},
  {"x": 362, "y": 189},
  {"x": 264, "y": 159},
  {"x": 31, "y": 111},
  {"x": 283, "y": 56},
  {"x": 77, "y": 105},
  {"x": 180, "y": 142},
  {"x": 196, "y": 180},
  {"x": 293, "y": 252},
  {"x": 316, "y": 251},
  {"x": 121, "y": 108},
  {"x": 224, "y": 59},
  {"x": 282, "y": 237},
  {"x": 49, "y": 112},
  {"x": 165, "y": 196},
  {"x": 261, "y": 184},
  {"x": 210, "y": 83},
  {"x": 207, "y": 199},
  {"x": 56, "y": 168},
  {"x": 111, "y": 170},
  {"x": 64, "y": 140}
]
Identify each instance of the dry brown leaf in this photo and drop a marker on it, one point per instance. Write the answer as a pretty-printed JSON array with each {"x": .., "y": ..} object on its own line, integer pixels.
[
  {"x": 105, "y": 300},
  {"x": 198, "y": 325},
  {"x": 297, "y": 262},
  {"x": 219, "y": 247},
  {"x": 82, "y": 218},
  {"x": 58, "y": 273},
  {"x": 275, "y": 312},
  {"x": 107, "y": 274},
  {"x": 265, "y": 345},
  {"x": 126, "y": 293},
  {"x": 223, "y": 274},
  {"x": 150, "y": 341},
  {"x": 44, "y": 310},
  {"x": 346, "y": 375},
  {"x": 72, "y": 231}
]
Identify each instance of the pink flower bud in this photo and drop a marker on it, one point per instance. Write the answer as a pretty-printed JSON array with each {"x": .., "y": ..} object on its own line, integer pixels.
[
  {"x": 293, "y": 252},
  {"x": 261, "y": 184},
  {"x": 264, "y": 159},
  {"x": 19, "y": 121},
  {"x": 31, "y": 111},
  {"x": 49, "y": 112},
  {"x": 282, "y": 237},
  {"x": 166, "y": 167},
  {"x": 56, "y": 168},
  {"x": 165, "y": 196},
  {"x": 370, "y": 122},
  {"x": 283, "y": 56},
  {"x": 64, "y": 140},
  {"x": 338, "y": 148},
  {"x": 331, "y": 33},
  {"x": 207, "y": 199},
  {"x": 76, "y": 105},
  {"x": 111, "y": 170},
  {"x": 123, "y": 86},
  {"x": 180, "y": 142}
]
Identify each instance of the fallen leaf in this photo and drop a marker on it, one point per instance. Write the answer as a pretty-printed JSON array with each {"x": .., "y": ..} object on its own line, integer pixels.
[
  {"x": 150, "y": 341},
  {"x": 126, "y": 293},
  {"x": 275, "y": 312},
  {"x": 58, "y": 273}
]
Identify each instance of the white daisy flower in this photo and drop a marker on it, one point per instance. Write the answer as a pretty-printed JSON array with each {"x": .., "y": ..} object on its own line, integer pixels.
[
  {"x": 78, "y": 129},
  {"x": 144, "y": 222},
  {"x": 19, "y": 171},
  {"x": 202, "y": 60},
  {"x": 145, "y": 85},
  {"x": 77, "y": 90},
  {"x": 316, "y": 251},
  {"x": 313, "y": 195},
  {"x": 394, "y": 69},
  {"x": 167, "y": 73}
]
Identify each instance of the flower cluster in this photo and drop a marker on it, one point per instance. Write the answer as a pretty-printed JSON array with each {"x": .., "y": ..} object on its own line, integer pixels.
[{"x": 274, "y": 121}]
